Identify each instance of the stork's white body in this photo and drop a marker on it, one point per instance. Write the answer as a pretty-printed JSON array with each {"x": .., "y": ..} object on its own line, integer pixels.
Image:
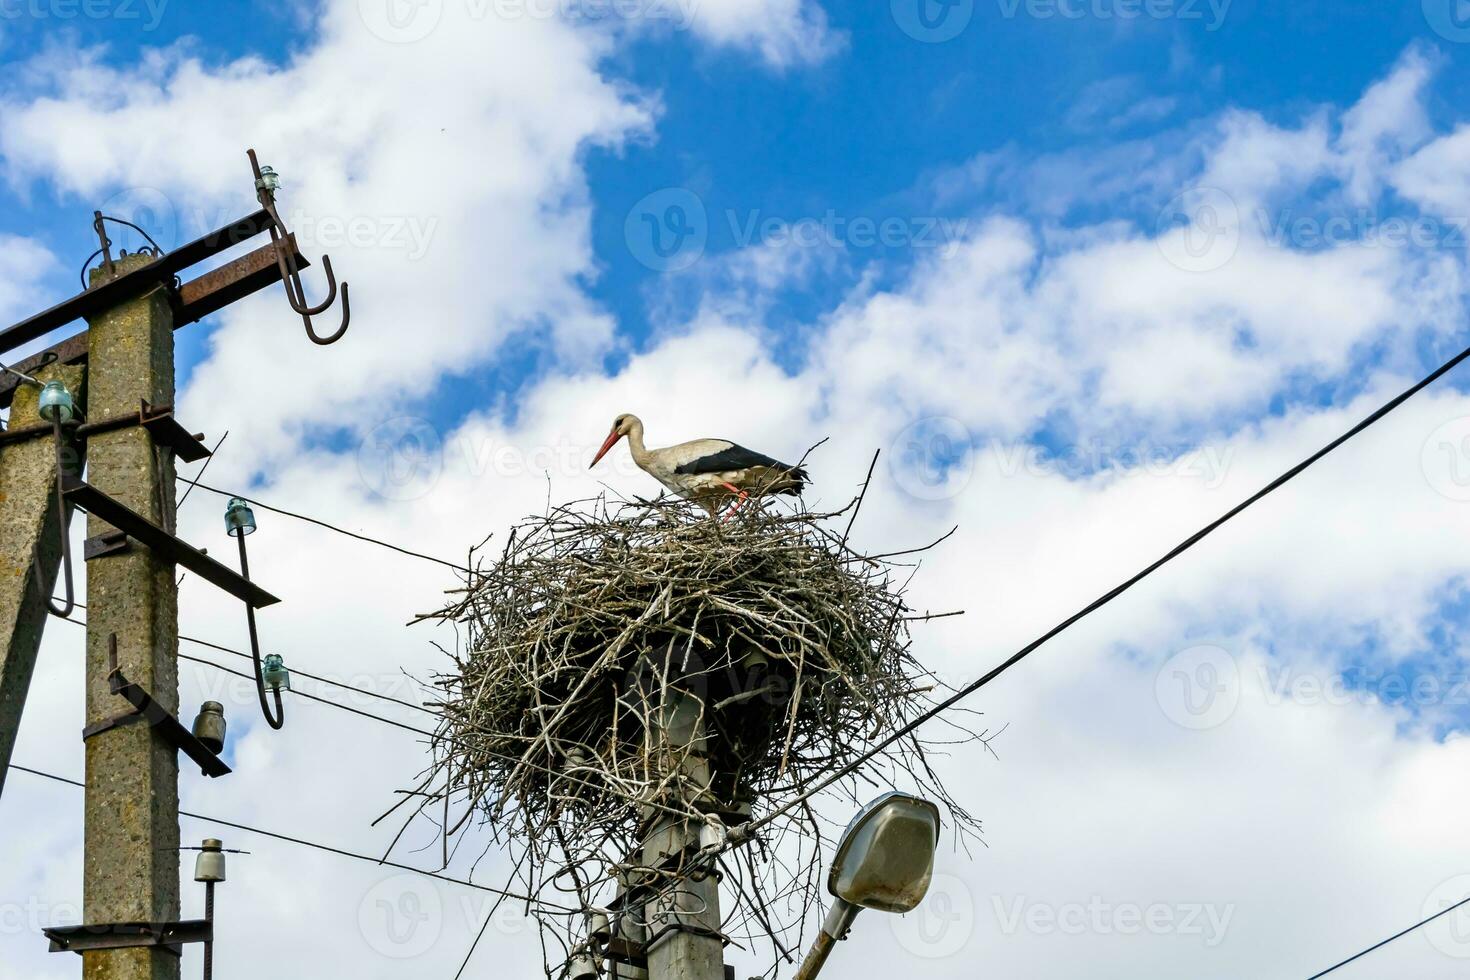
[
  {"x": 663, "y": 465},
  {"x": 707, "y": 471}
]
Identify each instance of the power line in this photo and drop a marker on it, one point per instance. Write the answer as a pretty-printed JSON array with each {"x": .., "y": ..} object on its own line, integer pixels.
[
  {"x": 540, "y": 767},
  {"x": 327, "y": 848},
  {"x": 324, "y": 680},
  {"x": 332, "y": 527},
  {"x": 299, "y": 673},
  {"x": 1390, "y": 939},
  {"x": 1112, "y": 594},
  {"x": 200, "y": 475},
  {"x": 313, "y": 697}
]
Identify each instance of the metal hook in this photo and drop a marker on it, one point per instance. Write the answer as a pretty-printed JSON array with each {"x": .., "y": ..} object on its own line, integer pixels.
[
  {"x": 277, "y": 719},
  {"x": 63, "y": 514},
  {"x": 266, "y": 183},
  {"x": 55, "y": 405}
]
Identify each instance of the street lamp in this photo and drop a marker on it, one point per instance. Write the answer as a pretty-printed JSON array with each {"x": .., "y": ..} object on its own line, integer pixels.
[{"x": 884, "y": 861}]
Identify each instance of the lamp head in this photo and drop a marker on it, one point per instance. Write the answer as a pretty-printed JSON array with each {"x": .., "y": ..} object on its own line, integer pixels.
[{"x": 886, "y": 856}]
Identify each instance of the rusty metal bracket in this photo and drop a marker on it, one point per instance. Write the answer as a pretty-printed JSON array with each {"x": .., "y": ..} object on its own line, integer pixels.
[
  {"x": 164, "y": 544},
  {"x": 39, "y": 430},
  {"x": 266, "y": 182},
  {"x": 160, "y": 425},
  {"x": 193, "y": 301},
  {"x": 123, "y": 720},
  {"x": 156, "y": 716},
  {"x": 113, "y": 291},
  {"x": 110, "y": 543},
  {"x": 250, "y": 273},
  {"x": 171, "y": 936},
  {"x": 621, "y": 950}
]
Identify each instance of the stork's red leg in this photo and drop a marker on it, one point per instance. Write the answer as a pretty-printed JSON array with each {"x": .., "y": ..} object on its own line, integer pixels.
[{"x": 742, "y": 498}]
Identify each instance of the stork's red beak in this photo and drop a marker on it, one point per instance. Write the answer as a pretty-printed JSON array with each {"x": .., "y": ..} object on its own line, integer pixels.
[{"x": 612, "y": 437}]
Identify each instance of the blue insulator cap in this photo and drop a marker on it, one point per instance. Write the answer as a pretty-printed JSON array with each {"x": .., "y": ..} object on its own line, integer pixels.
[
  {"x": 239, "y": 518},
  {"x": 269, "y": 179},
  {"x": 274, "y": 673},
  {"x": 56, "y": 404}
]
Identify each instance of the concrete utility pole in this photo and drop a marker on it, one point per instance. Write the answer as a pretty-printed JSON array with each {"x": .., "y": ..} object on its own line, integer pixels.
[
  {"x": 684, "y": 927},
  {"x": 132, "y": 827},
  {"x": 30, "y": 547}
]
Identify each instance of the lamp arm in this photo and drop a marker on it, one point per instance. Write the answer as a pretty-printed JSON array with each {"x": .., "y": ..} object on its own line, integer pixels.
[{"x": 839, "y": 920}]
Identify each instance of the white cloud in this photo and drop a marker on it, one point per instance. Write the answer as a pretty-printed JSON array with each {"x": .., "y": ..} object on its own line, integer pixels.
[
  {"x": 1435, "y": 176},
  {"x": 1388, "y": 121},
  {"x": 785, "y": 32},
  {"x": 28, "y": 262}
]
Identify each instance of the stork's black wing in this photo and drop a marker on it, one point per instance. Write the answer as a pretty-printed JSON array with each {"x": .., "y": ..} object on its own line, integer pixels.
[
  {"x": 740, "y": 458},
  {"x": 734, "y": 458}
]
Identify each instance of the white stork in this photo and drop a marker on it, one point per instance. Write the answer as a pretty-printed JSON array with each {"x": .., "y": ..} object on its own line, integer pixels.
[{"x": 707, "y": 471}]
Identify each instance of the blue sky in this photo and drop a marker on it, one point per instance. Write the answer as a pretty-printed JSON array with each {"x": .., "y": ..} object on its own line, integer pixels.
[
  {"x": 1085, "y": 280},
  {"x": 857, "y": 133}
]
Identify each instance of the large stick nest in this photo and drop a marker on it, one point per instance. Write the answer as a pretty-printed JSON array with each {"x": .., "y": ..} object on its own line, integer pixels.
[{"x": 604, "y": 642}]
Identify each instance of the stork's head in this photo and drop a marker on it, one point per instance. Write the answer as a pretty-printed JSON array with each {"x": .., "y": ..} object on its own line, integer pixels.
[{"x": 622, "y": 425}]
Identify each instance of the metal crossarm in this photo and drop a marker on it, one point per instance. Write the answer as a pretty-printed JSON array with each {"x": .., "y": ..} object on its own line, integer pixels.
[
  {"x": 113, "y": 291},
  {"x": 156, "y": 716},
  {"x": 192, "y": 301},
  {"x": 164, "y": 544},
  {"x": 172, "y": 936}
]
